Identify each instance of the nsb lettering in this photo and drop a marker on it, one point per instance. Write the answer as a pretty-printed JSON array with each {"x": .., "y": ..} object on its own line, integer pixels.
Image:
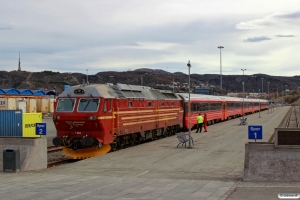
[
  {"x": 29, "y": 125},
  {"x": 255, "y": 129}
]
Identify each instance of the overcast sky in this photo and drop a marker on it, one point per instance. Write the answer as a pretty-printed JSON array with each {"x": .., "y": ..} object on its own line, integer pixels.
[{"x": 121, "y": 35}]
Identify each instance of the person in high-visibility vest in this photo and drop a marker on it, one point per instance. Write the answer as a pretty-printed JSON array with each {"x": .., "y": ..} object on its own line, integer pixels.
[
  {"x": 200, "y": 123},
  {"x": 205, "y": 122}
]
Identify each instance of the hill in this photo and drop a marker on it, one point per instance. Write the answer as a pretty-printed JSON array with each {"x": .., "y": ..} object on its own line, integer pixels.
[{"x": 48, "y": 80}]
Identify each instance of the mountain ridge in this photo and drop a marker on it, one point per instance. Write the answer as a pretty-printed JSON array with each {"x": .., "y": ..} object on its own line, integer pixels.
[{"x": 49, "y": 80}]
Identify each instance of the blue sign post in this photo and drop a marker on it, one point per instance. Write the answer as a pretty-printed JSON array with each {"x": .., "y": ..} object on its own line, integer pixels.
[
  {"x": 40, "y": 128},
  {"x": 255, "y": 133}
]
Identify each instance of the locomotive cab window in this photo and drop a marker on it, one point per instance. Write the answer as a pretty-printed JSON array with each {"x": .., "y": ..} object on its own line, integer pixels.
[
  {"x": 65, "y": 105},
  {"x": 107, "y": 105},
  {"x": 88, "y": 105}
]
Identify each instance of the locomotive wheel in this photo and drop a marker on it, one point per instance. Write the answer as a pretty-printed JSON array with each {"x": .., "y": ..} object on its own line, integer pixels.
[
  {"x": 113, "y": 147},
  {"x": 131, "y": 143}
]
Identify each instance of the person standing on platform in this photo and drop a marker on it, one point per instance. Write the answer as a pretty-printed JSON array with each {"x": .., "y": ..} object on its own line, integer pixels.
[
  {"x": 200, "y": 123},
  {"x": 205, "y": 122}
]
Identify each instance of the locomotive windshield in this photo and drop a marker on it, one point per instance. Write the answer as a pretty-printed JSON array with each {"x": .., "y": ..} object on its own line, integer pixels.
[
  {"x": 88, "y": 105},
  {"x": 65, "y": 105}
]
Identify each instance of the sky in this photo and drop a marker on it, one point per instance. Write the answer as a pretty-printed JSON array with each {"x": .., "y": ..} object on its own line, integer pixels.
[{"x": 91, "y": 36}]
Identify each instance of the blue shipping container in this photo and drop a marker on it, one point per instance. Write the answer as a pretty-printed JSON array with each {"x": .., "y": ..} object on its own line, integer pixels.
[{"x": 10, "y": 123}]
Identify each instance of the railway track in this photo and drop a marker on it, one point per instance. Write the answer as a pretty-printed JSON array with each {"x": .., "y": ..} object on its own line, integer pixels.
[
  {"x": 55, "y": 157},
  {"x": 290, "y": 120},
  {"x": 52, "y": 149}
]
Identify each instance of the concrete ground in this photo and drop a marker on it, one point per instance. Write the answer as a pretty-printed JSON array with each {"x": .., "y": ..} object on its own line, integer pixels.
[{"x": 212, "y": 169}]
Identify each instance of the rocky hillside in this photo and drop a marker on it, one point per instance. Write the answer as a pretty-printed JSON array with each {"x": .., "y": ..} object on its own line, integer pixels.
[{"x": 48, "y": 80}]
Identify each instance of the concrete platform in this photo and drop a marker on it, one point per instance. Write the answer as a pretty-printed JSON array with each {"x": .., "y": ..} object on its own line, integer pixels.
[
  {"x": 33, "y": 152},
  {"x": 264, "y": 162},
  {"x": 212, "y": 169}
]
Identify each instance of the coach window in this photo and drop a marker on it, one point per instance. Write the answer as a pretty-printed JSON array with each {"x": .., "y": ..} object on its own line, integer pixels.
[
  {"x": 130, "y": 104},
  {"x": 149, "y": 104},
  {"x": 219, "y": 106},
  {"x": 172, "y": 103},
  {"x": 107, "y": 105},
  {"x": 162, "y": 104}
]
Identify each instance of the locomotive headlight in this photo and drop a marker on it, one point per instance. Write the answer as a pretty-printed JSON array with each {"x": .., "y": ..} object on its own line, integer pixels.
[{"x": 92, "y": 118}]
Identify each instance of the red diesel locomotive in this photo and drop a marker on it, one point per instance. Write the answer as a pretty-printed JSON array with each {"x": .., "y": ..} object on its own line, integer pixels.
[{"x": 91, "y": 120}]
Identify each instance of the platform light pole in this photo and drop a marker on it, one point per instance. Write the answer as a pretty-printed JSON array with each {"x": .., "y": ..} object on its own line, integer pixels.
[
  {"x": 262, "y": 85},
  {"x": 286, "y": 94},
  {"x": 189, "y": 105},
  {"x": 243, "y": 93},
  {"x": 259, "y": 102},
  {"x": 87, "y": 77},
  {"x": 220, "y": 47},
  {"x": 268, "y": 96},
  {"x": 277, "y": 97},
  {"x": 268, "y": 90}
]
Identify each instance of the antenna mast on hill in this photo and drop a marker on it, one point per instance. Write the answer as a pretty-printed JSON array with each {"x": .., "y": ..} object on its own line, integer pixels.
[{"x": 19, "y": 68}]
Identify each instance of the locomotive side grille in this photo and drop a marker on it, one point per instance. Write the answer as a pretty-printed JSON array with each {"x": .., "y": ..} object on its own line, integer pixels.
[
  {"x": 169, "y": 95},
  {"x": 117, "y": 91},
  {"x": 138, "y": 94},
  {"x": 157, "y": 94},
  {"x": 128, "y": 94}
]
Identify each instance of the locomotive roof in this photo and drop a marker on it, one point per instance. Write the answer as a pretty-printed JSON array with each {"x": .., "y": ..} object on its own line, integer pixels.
[
  {"x": 122, "y": 91},
  {"x": 93, "y": 90}
]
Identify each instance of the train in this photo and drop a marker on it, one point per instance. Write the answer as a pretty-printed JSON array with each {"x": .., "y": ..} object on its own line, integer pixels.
[{"x": 93, "y": 119}]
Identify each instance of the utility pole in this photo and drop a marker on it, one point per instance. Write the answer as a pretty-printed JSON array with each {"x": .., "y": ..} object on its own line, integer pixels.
[{"x": 220, "y": 47}]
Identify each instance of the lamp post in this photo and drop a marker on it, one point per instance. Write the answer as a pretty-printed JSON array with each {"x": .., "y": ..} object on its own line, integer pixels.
[
  {"x": 268, "y": 90},
  {"x": 142, "y": 78},
  {"x": 262, "y": 85},
  {"x": 277, "y": 97},
  {"x": 220, "y": 47},
  {"x": 286, "y": 94},
  {"x": 87, "y": 78},
  {"x": 189, "y": 106},
  {"x": 268, "y": 96},
  {"x": 243, "y": 93},
  {"x": 259, "y": 102}
]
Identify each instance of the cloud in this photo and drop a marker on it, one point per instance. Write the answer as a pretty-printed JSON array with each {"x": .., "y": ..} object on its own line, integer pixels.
[
  {"x": 4, "y": 29},
  {"x": 275, "y": 19},
  {"x": 285, "y": 36},
  {"x": 293, "y": 15},
  {"x": 257, "y": 39}
]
